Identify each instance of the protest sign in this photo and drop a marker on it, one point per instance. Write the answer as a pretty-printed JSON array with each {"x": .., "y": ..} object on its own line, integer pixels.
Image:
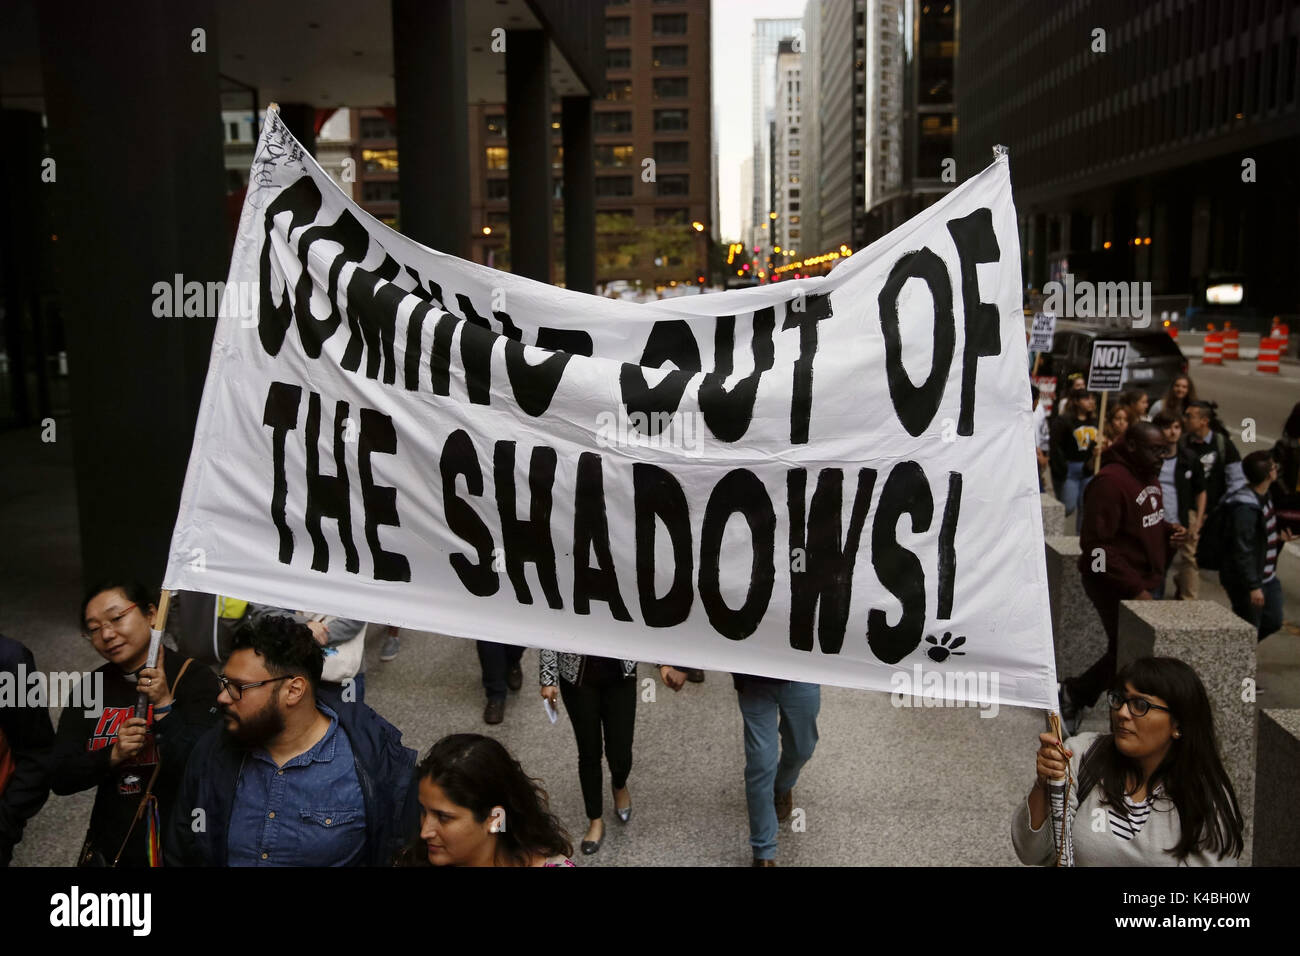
[
  {"x": 1042, "y": 331},
  {"x": 827, "y": 480}
]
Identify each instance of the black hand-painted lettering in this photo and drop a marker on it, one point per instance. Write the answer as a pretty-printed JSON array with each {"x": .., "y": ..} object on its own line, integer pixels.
[
  {"x": 527, "y": 540},
  {"x": 906, "y": 491},
  {"x": 739, "y": 491},
  {"x": 281, "y": 414},
  {"x": 657, "y": 496},
  {"x": 591, "y": 533},
  {"x": 379, "y": 437},
  {"x": 728, "y": 412},
  {"x": 976, "y": 243},
  {"x": 670, "y": 341},
  {"x": 327, "y": 495},
  {"x": 816, "y": 308},
  {"x": 459, "y": 459},
  {"x": 916, "y": 405},
  {"x": 827, "y": 558}
]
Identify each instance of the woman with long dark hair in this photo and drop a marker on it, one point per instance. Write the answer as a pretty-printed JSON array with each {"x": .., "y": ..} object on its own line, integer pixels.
[
  {"x": 1157, "y": 775},
  {"x": 479, "y": 808},
  {"x": 1181, "y": 393}
]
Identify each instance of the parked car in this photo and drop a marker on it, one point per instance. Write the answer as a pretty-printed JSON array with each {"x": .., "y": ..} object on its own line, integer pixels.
[{"x": 1153, "y": 360}]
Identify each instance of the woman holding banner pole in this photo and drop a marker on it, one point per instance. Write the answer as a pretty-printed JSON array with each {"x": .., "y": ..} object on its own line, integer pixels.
[
  {"x": 134, "y": 763},
  {"x": 1156, "y": 776}
]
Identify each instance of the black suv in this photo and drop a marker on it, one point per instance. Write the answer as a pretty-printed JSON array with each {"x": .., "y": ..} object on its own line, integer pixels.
[{"x": 1153, "y": 361}]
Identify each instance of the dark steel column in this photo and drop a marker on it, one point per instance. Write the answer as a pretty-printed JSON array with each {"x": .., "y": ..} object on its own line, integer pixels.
[
  {"x": 528, "y": 133},
  {"x": 134, "y": 125},
  {"x": 429, "y": 51},
  {"x": 579, "y": 194},
  {"x": 301, "y": 120},
  {"x": 20, "y": 245}
]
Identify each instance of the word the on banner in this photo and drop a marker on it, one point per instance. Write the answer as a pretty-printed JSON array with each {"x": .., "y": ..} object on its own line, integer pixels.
[{"x": 807, "y": 480}]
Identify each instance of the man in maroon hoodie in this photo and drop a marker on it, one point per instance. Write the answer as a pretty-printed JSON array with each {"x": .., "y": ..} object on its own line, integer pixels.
[{"x": 1126, "y": 545}]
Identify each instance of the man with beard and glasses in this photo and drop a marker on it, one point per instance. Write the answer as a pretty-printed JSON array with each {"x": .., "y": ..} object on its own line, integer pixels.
[
  {"x": 1125, "y": 545},
  {"x": 292, "y": 778}
]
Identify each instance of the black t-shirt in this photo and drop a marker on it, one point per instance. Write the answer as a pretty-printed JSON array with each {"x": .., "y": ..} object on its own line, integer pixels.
[
  {"x": 83, "y": 750},
  {"x": 600, "y": 670}
]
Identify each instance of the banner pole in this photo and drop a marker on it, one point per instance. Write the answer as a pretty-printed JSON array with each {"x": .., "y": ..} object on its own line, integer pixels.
[
  {"x": 1101, "y": 433},
  {"x": 155, "y": 642},
  {"x": 275, "y": 107},
  {"x": 1038, "y": 358}
]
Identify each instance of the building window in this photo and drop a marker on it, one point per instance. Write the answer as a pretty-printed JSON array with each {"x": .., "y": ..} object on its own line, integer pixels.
[
  {"x": 675, "y": 184},
  {"x": 379, "y": 160},
  {"x": 668, "y": 24},
  {"x": 613, "y": 186},
  {"x": 618, "y": 59},
  {"x": 672, "y": 217},
  {"x": 379, "y": 191},
  {"x": 618, "y": 91},
  {"x": 497, "y": 157},
  {"x": 670, "y": 121},
  {"x": 607, "y": 156},
  {"x": 669, "y": 56},
  {"x": 557, "y": 187},
  {"x": 498, "y": 188},
  {"x": 557, "y": 157},
  {"x": 617, "y": 27},
  {"x": 498, "y": 220},
  {"x": 376, "y": 127},
  {"x": 666, "y": 154},
  {"x": 234, "y": 132},
  {"x": 494, "y": 125},
  {"x": 620, "y": 122},
  {"x": 670, "y": 87},
  {"x": 794, "y": 233}
]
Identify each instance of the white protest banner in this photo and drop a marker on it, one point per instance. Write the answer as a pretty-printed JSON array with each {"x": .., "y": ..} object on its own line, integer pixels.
[
  {"x": 829, "y": 480},
  {"x": 1042, "y": 332}
]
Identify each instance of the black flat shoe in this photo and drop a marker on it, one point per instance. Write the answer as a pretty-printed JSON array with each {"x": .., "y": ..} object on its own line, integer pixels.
[{"x": 591, "y": 846}]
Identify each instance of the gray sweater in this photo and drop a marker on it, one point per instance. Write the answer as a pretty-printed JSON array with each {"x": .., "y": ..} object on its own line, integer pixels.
[{"x": 1094, "y": 844}]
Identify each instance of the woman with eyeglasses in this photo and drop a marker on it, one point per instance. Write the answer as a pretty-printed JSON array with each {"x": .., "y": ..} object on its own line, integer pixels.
[
  {"x": 479, "y": 808},
  {"x": 1157, "y": 776},
  {"x": 134, "y": 763}
]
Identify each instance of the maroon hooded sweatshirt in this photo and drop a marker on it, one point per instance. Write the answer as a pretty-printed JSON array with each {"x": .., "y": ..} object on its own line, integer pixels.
[{"x": 1124, "y": 516}]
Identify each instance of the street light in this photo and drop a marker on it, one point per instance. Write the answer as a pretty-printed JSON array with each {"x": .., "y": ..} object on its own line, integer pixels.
[
  {"x": 487, "y": 230},
  {"x": 697, "y": 226}
]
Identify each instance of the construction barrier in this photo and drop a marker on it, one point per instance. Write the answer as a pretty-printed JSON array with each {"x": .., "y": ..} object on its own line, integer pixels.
[
  {"x": 1231, "y": 340},
  {"x": 1269, "y": 356},
  {"x": 1282, "y": 333},
  {"x": 1213, "y": 354}
]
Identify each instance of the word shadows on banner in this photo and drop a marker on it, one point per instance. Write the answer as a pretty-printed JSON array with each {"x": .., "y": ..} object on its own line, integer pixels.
[
  {"x": 402, "y": 436},
  {"x": 822, "y": 555}
]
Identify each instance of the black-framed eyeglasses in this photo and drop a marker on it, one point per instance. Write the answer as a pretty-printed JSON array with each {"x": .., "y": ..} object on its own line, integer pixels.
[
  {"x": 1137, "y": 706},
  {"x": 236, "y": 688}
]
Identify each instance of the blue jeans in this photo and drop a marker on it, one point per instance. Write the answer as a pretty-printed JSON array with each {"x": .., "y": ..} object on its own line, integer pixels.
[
  {"x": 1266, "y": 619},
  {"x": 790, "y": 710},
  {"x": 1069, "y": 492}
]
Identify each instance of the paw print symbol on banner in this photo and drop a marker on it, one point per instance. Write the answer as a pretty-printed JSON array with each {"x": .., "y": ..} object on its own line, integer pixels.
[{"x": 943, "y": 648}]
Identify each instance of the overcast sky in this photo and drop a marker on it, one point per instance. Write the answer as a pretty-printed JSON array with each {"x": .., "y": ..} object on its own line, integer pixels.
[{"x": 733, "y": 38}]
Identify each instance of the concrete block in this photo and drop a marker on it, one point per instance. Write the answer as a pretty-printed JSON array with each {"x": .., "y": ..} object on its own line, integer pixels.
[
  {"x": 1277, "y": 777},
  {"x": 1220, "y": 647},
  {"x": 1077, "y": 633},
  {"x": 1053, "y": 515}
]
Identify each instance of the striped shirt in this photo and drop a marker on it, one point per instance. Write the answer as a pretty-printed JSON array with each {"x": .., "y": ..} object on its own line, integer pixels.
[
  {"x": 1273, "y": 538},
  {"x": 1126, "y": 828}
]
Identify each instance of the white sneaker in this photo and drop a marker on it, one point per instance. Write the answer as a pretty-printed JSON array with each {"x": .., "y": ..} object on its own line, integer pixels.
[{"x": 392, "y": 644}]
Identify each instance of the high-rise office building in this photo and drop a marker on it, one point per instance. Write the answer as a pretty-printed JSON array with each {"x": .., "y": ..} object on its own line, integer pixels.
[
  {"x": 787, "y": 171},
  {"x": 1140, "y": 136},
  {"x": 768, "y": 34},
  {"x": 910, "y": 114}
]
